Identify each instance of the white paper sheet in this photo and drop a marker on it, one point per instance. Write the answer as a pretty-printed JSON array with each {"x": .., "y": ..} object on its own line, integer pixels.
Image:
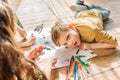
[{"x": 64, "y": 55}]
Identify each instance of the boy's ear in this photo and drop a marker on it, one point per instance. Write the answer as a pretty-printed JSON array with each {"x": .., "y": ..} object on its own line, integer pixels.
[{"x": 71, "y": 26}]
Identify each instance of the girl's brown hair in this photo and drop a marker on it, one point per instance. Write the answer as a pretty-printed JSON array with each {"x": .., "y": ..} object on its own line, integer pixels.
[{"x": 13, "y": 64}]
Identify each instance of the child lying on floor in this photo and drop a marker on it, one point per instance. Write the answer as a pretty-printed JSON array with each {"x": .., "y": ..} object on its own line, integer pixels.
[{"x": 86, "y": 31}]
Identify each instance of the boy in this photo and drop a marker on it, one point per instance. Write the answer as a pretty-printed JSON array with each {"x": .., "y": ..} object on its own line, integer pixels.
[{"x": 85, "y": 32}]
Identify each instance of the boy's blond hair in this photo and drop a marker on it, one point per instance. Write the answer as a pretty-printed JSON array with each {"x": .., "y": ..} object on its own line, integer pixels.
[{"x": 56, "y": 31}]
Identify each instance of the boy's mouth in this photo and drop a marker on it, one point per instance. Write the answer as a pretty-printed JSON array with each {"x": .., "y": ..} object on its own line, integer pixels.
[{"x": 75, "y": 43}]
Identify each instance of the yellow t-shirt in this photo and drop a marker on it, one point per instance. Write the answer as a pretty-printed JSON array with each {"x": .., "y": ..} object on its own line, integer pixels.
[{"x": 90, "y": 26}]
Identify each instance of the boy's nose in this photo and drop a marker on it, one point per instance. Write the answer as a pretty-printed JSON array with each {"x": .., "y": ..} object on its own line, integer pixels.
[{"x": 69, "y": 44}]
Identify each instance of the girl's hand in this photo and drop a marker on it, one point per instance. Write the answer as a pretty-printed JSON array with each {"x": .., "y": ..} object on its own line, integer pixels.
[
  {"x": 35, "y": 52},
  {"x": 85, "y": 46},
  {"x": 31, "y": 41}
]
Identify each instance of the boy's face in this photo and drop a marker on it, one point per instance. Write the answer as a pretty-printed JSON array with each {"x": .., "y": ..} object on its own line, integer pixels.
[{"x": 69, "y": 38}]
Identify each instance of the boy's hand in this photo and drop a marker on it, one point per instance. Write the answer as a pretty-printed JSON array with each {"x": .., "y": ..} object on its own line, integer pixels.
[{"x": 85, "y": 46}]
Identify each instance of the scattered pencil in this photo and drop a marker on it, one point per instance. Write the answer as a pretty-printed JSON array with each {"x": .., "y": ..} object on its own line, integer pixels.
[
  {"x": 77, "y": 68},
  {"x": 38, "y": 28}
]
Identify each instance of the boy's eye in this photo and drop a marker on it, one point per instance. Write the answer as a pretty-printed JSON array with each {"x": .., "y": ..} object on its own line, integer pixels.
[
  {"x": 65, "y": 44},
  {"x": 68, "y": 36}
]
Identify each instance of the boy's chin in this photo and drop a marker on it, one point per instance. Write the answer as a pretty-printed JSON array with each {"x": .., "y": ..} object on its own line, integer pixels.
[{"x": 77, "y": 45}]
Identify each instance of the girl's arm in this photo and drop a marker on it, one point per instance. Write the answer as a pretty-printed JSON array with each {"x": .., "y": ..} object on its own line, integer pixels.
[
  {"x": 27, "y": 43},
  {"x": 22, "y": 32}
]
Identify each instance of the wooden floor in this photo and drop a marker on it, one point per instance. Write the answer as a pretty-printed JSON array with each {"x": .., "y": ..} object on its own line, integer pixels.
[{"x": 104, "y": 67}]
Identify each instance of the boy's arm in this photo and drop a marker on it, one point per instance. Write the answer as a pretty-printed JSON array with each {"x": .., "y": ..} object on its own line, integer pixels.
[
  {"x": 98, "y": 38},
  {"x": 103, "y": 38},
  {"x": 85, "y": 46},
  {"x": 102, "y": 46}
]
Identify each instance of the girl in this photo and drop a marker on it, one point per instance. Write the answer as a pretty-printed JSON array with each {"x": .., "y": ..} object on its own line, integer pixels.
[{"x": 13, "y": 65}]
